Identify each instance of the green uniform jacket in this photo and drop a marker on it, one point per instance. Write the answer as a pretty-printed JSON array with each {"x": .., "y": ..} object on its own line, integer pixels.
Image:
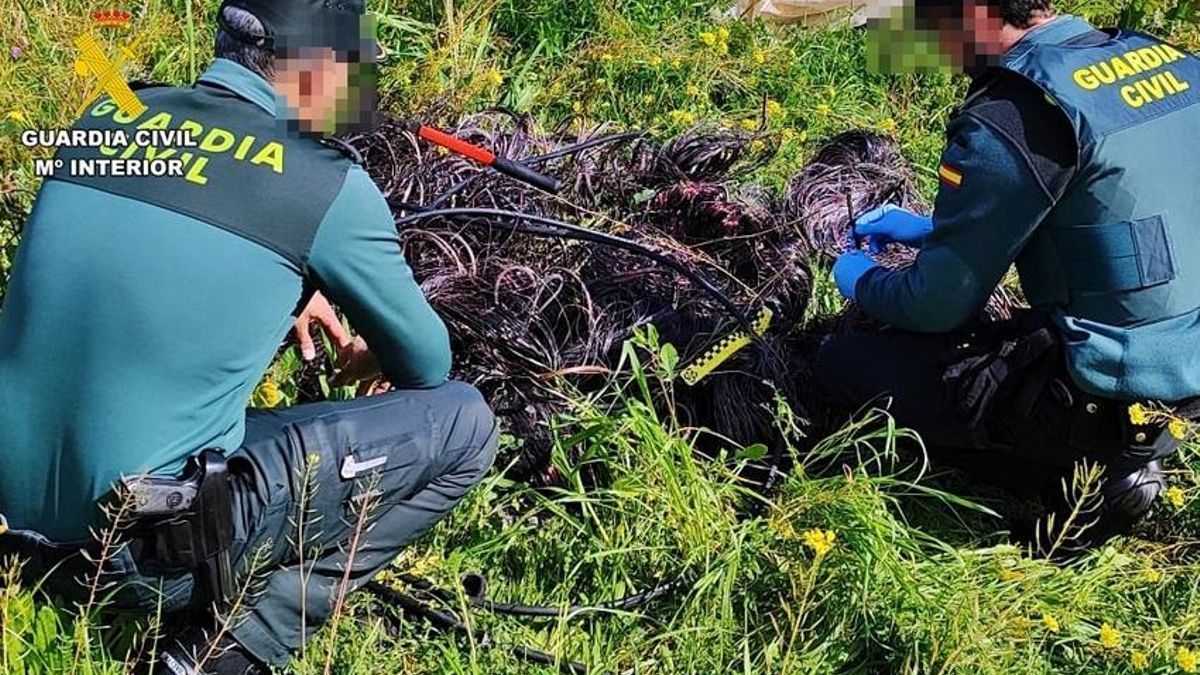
[
  {"x": 143, "y": 312},
  {"x": 1113, "y": 251}
]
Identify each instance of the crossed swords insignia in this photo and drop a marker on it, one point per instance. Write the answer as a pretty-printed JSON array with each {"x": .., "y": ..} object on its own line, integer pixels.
[{"x": 93, "y": 61}]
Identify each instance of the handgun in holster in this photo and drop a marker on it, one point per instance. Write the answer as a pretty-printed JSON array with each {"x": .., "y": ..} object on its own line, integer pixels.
[{"x": 185, "y": 524}]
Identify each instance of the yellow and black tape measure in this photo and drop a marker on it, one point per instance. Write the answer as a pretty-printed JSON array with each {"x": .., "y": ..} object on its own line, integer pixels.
[{"x": 725, "y": 349}]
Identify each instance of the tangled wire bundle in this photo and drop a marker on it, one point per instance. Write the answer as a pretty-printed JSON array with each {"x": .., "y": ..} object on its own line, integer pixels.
[
  {"x": 535, "y": 318},
  {"x": 852, "y": 174}
]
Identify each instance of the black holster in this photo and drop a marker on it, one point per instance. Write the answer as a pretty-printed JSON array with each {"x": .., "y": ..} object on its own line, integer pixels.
[{"x": 186, "y": 525}]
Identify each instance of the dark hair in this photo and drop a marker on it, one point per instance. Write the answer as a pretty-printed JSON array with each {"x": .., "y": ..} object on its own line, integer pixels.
[
  {"x": 257, "y": 58},
  {"x": 1019, "y": 13}
]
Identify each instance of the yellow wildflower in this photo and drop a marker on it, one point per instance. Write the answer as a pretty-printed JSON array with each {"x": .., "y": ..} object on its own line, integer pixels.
[
  {"x": 775, "y": 109},
  {"x": 722, "y": 48},
  {"x": 888, "y": 126},
  {"x": 1186, "y": 659},
  {"x": 675, "y": 63},
  {"x": 723, "y": 34},
  {"x": 18, "y": 117},
  {"x": 648, "y": 98},
  {"x": 787, "y": 135},
  {"x": 1151, "y": 575},
  {"x": 1109, "y": 637},
  {"x": 682, "y": 117},
  {"x": 656, "y": 61},
  {"x": 606, "y": 57},
  {"x": 708, "y": 38},
  {"x": 268, "y": 393},
  {"x": 693, "y": 90},
  {"x": 577, "y": 107},
  {"x": 1050, "y": 623},
  {"x": 1138, "y": 414},
  {"x": 1175, "y": 496},
  {"x": 1009, "y": 575},
  {"x": 750, "y": 124},
  {"x": 824, "y": 110},
  {"x": 759, "y": 56},
  {"x": 1138, "y": 660},
  {"x": 494, "y": 78},
  {"x": 1178, "y": 429},
  {"x": 820, "y": 541}
]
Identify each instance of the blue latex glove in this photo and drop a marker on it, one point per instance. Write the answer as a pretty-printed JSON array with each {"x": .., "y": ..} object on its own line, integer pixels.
[
  {"x": 849, "y": 268},
  {"x": 890, "y": 223}
]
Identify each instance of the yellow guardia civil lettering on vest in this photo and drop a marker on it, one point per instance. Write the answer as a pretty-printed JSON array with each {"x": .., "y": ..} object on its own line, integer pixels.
[
  {"x": 214, "y": 140},
  {"x": 1143, "y": 74}
]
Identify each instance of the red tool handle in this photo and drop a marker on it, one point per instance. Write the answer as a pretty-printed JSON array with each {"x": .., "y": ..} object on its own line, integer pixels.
[
  {"x": 457, "y": 145},
  {"x": 485, "y": 157}
]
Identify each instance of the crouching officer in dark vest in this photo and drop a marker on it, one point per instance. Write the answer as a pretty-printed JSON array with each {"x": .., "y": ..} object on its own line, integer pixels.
[
  {"x": 142, "y": 313},
  {"x": 1072, "y": 158}
]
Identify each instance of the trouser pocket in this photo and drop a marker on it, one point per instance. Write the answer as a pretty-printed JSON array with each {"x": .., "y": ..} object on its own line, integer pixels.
[{"x": 370, "y": 453}]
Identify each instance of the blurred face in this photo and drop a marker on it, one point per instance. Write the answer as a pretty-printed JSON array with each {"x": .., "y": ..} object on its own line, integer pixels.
[
  {"x": 977, "y": 39},
  {"x": 314, "y": 83},
  {"x": 907, "y": 36}
]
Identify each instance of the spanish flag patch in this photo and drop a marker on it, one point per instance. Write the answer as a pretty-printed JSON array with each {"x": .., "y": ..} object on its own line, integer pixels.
[{"x": 950, "y": 176}]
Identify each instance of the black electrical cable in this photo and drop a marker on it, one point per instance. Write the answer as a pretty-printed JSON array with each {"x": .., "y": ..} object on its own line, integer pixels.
[
  {"x": 582, "y": 146},
  {"x": 449, "y": 194},
  {"x": 447, "y": 622},
  {"x": 566, "y": 230},
  {"x": 542, "y": 611},
  {"x": 534, "y": 161},
  {"x": 551, "y": 227}
]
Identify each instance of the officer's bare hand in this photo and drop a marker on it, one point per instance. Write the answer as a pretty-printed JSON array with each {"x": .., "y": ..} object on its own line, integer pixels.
[
  {"x": 356, "y": 363},
  {"x": 320, "y": 312}
]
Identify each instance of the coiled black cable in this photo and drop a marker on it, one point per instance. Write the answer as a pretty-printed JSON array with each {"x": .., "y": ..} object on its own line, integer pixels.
[
  {"x": 549, "y": 227},
  {"x": 563, "y": 230},
  {"x": 535, "y": 160},
  {"x": 447, "y": 622}
]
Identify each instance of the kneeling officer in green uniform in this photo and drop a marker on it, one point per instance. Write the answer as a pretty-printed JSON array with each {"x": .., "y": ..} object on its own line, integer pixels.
[
  {"x": 143, "y": 311},
  {"x": 1073, "y": 158}
]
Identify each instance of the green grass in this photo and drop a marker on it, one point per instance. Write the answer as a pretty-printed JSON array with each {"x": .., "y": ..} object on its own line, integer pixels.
[{"x": 917, "y": 580}]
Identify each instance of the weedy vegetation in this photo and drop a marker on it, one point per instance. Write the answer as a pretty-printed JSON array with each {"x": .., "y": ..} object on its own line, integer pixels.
[{"x": 863, "y": 558}]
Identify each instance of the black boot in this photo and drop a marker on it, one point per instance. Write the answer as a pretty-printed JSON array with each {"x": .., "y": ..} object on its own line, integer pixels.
[
  {"x": 179, "y": 656},
  {"x": 1129, "y": 498}
]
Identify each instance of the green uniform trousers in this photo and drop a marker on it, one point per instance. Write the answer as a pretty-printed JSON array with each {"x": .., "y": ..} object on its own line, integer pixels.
[{"x": 388, "y": 466}]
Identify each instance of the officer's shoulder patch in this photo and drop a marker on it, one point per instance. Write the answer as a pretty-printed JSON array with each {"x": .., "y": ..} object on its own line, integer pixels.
[{"x": 950, "y": 175}]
